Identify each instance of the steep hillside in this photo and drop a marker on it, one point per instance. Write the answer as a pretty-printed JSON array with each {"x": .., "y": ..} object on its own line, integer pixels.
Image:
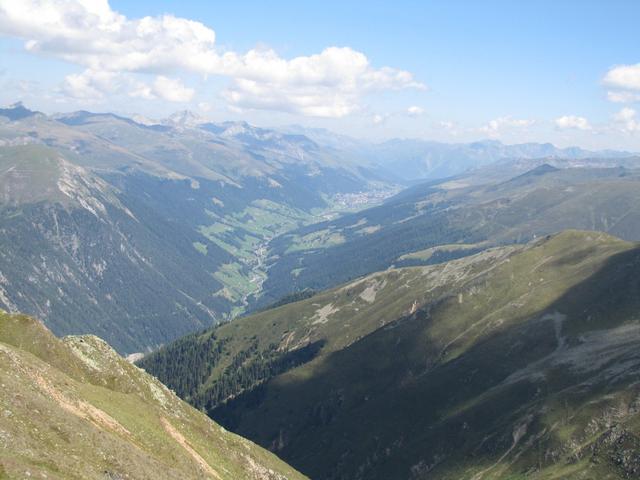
[
  {"x": 470, "y": 212},
  {"x": 143, "y": 233},
  {"x": 518, "y": 362},
  {"x": 73, "y": 408},
  {"x": 75, "y": 255}
]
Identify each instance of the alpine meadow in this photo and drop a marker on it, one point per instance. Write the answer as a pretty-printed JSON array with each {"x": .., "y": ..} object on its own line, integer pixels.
[{"x": 338, "y": 240}]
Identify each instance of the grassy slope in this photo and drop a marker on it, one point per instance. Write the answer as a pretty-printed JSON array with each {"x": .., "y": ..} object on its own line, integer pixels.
[
  {"x": 73, "y": 408},
  {"x": 73, "y": 255},
  {"x": 519, "y": 359}
]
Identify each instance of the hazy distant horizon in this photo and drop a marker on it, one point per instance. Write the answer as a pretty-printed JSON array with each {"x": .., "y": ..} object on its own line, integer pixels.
[{"x": 560, "y": 72}]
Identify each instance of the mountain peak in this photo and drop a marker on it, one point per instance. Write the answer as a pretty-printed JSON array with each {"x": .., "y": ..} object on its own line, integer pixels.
[
  {"x": 17, "y": 111},
  {"x": 184, "y": 118},
  {"x": 541, "y": 170}
]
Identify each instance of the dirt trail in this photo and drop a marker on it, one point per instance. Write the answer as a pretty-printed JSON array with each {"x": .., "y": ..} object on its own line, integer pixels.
[
  {"x": 178, "y": 437},
  {"x": 76, "y": 407},
  {"x": 79, "y": 408}
]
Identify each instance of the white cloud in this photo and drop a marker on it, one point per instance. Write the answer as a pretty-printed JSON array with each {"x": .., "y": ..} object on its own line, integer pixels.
[
  {"x": 625, "y": 79},
  {"x": 142, "y": 90},
  {"x": 626, "y": 120},
  {"x": 415, "y": 111},
  {"x": 91, "y": 85},
  {"x": 89, "y": 33},
  {"x": 327, "y": 84},
  {"x": 624, "y": 76},
  {"x": 499, "y": 125},
  {"x": 172, "y": 90},
  {"x": 623, "y": 97},
  {"x": 94, "y": 86},
  {"x": 572, "y": 122}
]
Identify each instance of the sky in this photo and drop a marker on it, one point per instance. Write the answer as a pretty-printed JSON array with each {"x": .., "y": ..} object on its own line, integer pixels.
[{"x": 562, "y": 71}]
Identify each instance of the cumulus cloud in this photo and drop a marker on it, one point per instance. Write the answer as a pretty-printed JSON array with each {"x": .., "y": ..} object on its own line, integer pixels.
[
  {"x": 415, "y": 111},
  {"x": 499, "y": 125},
  {"x": 624, "y": 76},
  {"x": 172, "y": 90},
  {"x": 91, "y": 85},
  {"x": 623, "y": 96},
  {"x": 625, "y": 80},
  {"x": 327, "y": 84},
  {"x": 94, "y": 86},
  {"x": 89, "y": 33},
  {"x": 572, "y": 122},
  {"x": 626, "y": 120}
]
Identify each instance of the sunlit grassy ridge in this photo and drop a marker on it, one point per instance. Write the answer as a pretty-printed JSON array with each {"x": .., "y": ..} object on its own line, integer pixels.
[{"x": 73, "y": 408}]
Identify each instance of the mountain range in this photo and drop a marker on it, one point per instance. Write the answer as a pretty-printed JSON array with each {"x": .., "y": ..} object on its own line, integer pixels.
[
  {"x": 414, "y": 160},
  {"x": 406, "y": 309},
  {"x": 143, "y": 231}
]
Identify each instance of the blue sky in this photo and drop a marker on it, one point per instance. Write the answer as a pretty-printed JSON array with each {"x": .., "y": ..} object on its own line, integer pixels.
[{"x": 449, "y": 70}]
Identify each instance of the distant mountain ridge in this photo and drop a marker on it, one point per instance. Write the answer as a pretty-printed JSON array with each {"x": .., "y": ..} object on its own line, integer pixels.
[
  {"x": 412, "y": 160},
  {"x": 141, "y": 233},
  {"x": 194, "y": 212},
  {"x": 419, "y": 159},
  {"x": 456, "y": 216}
]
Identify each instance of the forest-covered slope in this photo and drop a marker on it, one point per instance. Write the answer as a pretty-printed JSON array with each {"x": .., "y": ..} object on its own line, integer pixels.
[
  {"x": 466, "y": 214},
  {"x": 142, "y": 234}
]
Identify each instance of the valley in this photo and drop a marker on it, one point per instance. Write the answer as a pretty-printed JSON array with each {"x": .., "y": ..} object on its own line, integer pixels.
[
  {"x": 340, "y": 240},
  {"x": 476, "y": 326},
  {"x": 457, "y": 216},
  {"x": 191, "y": 226}
]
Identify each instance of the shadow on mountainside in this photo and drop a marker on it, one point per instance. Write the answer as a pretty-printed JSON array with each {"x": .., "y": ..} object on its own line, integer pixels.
[{"x": 533, "y": 392}]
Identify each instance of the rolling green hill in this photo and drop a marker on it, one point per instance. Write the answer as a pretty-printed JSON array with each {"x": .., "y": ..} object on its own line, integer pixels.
[
  {"x": 73, "y": 408},
  {"x": 518, "y": 362}
]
